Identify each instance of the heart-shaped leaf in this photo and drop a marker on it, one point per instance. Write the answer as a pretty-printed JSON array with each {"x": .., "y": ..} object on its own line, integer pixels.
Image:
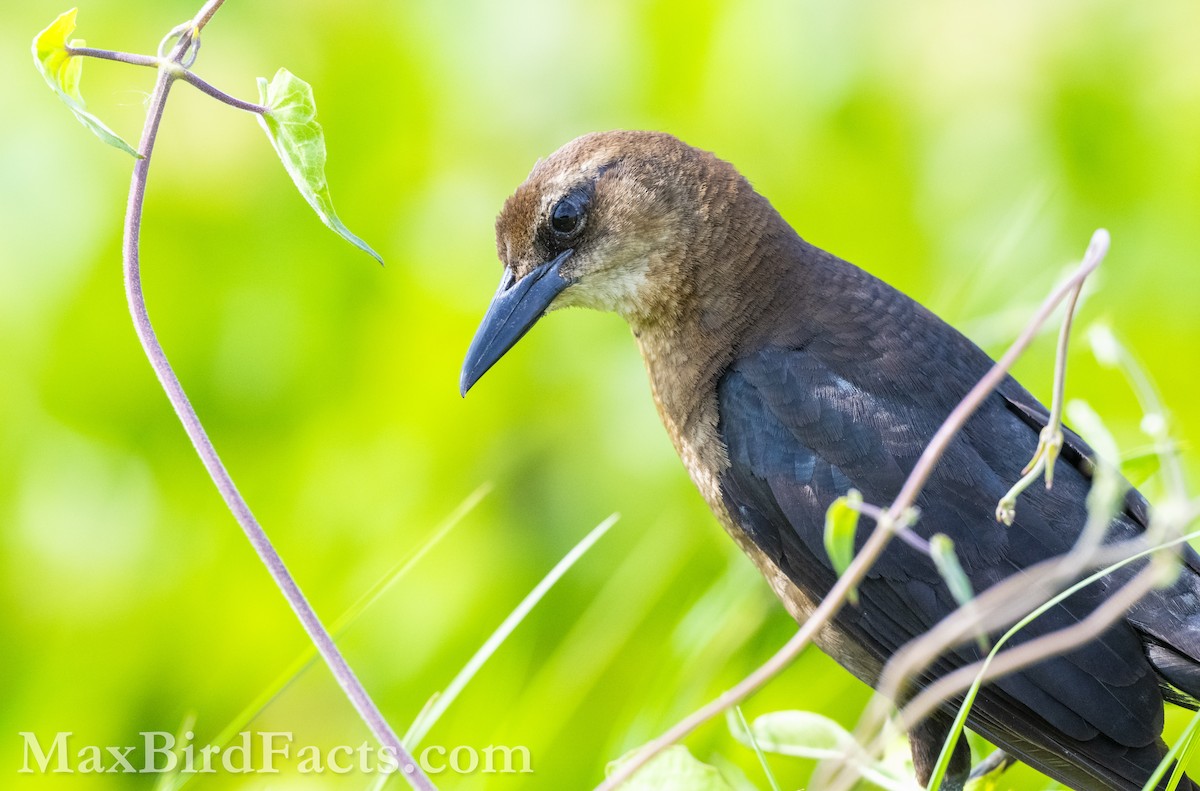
[
  {"x": 62, "y": 73},
  {"x": 291, "y": 124}
]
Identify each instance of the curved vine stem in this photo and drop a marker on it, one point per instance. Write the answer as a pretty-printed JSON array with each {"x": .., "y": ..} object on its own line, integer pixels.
[{"x": 168, "y": 72}]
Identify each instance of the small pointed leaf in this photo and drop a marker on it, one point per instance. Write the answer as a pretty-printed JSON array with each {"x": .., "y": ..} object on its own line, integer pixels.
[
  {"x": 62, "y": 73},
  {"x": 1139, "y": 467},
  {"x": 941, "y": 548},
  {"x": 841, "y": 524},
  {"x": 291, "y": 124},
  {"x": 674, "y": 769}
]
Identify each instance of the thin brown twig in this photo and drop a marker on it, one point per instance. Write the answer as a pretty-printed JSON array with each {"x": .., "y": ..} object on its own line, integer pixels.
[
  {"x": 1097, "y": 249},
  {"x": 1009, "y": 601},
  {"x": 995, "y": 609},
  {"x": 205, "y": 14},
  {"x": 880, "y": 536},
  {"x": 1021, "y": 599},
  {"x": 1055, "y": 643},
  {"x": 1006, "y": 603},
  {"x": 193, "y": 79},
  {"x": 108, "y": 54},
  {"x": 353, "y": 688},
  {"x": 949, "y": 687}
]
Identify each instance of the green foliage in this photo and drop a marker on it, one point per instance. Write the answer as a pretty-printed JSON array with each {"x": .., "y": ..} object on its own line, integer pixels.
[
  {"x": 941, "y": 549},
  {"x": 676, "y": 769},
  {"x": 1139, "y": 466},
  {"x": 803, "y": 734},
  {"x": 806, "y": 734},
  {"x": 992, "y": 781},
  {"x": 62, "y": 73},
  {"x": 736, "y": 720},
  {"x": 841, "y": 524},
  {"x": 291, "y": 124},
  {"x": 959, "y": 151}
]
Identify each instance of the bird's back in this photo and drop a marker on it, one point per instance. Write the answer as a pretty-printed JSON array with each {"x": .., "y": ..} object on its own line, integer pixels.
[{"x": 844, "y": 390}]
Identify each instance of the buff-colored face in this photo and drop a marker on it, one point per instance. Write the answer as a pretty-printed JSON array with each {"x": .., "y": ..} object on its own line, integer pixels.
[
  {"x": 591, "y": 197},
  {"x": 591, "y": 227}
]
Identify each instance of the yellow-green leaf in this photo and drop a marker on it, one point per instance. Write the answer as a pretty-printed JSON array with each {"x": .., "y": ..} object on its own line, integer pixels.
[
  {"x": 1139, "y": 467},
  {"x": 941, "y": 549},
  {"x": 62, "y": 73},
  {"x": 841, "y": 524},
  {"x": 674, "y": 769},
  {"x": 802, "y": 734},
  {"x": 291, "y": 124}
]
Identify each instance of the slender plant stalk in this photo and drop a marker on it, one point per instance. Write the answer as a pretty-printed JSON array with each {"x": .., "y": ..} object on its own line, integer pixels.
[
  {"x": 1000, "y": 604},
  {"x": 972, "y": 677},
  {"x": 191, "y": 78},
  {"x": 120, "y": 57},
  {"x": 346, "y": 620},
  {"x": 206, "y": 13},
  {"x": 168, "y": 72},
  {"x": 1189, "y": 742},
  {"x": 1006, "y": 599},
  {"x": 1050, "y": 440},
  {"x": 880, "y": 536}
]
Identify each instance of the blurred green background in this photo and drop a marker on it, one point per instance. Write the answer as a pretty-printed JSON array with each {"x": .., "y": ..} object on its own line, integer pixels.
[{"x": 962, "y": 151}]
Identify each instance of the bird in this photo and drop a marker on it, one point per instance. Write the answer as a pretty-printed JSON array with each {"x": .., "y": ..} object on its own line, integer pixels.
[{"x": 786, "y": 377}]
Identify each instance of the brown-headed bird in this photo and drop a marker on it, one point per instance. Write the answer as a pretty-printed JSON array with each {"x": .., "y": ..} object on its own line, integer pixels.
[{"x": 785, "y": 377}]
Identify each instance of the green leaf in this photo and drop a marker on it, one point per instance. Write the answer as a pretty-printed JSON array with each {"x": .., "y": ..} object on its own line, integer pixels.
[
  {"x": 62, "y": 73},
  {"x": 1141, "y": 465},
  {"x": 674, "y": 769},
  {"x": 841, "y": 523},
  {"x": 291, "y": 124},
  {"x": 989, "y": 781},
  {"x": 941, "y": 549},
  {"x": 802, "y": 734}
]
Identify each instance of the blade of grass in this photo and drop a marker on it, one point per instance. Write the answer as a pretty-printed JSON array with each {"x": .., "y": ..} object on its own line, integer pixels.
[
  {"x": 762, "y": 759},
  {"x": 373, "y": 594},
  {"x": 1188, "y": 737},
  {"x": 385, "y": 583},
  {"x": 433, "y": 713},
  {"x": 960, "y": 720},
  {"x": 173, "y": 779},
  {"x": 1191, "y": 741},
  {"x": 597, "y": 640}
]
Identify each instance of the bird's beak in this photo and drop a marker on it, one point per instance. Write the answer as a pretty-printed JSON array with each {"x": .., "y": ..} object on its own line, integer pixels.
[{"x": 516, "y": 307}]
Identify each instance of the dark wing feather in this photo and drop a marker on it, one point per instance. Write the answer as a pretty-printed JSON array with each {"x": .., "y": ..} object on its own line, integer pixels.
[
  {"x": 801, "y": 430},
  {"x": 1169, "y": 620}
]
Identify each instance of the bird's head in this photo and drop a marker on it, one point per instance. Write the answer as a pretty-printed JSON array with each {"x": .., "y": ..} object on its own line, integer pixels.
[{"x": 604, "y": 223}]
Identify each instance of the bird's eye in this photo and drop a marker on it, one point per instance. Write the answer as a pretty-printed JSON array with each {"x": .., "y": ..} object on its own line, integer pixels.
[{"x": 567, "y": 217}]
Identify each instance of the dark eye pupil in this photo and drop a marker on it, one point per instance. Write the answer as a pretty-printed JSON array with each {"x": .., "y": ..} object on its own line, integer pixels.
[{"x": 566, "y": 216}]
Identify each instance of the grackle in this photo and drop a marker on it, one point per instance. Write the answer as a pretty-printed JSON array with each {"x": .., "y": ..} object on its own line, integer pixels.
[{"x": 787, "y": 376}]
